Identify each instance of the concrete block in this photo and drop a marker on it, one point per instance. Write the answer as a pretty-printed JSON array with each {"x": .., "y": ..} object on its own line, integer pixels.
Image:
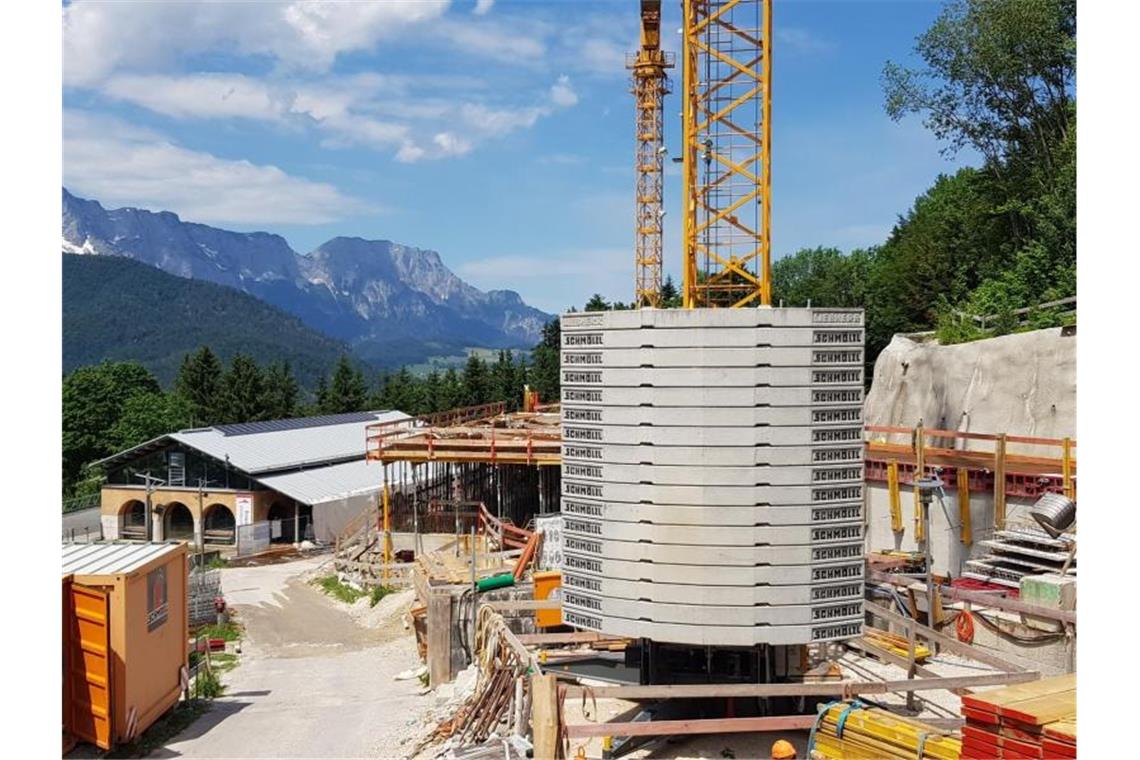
[
  {"x": 703, "y": 535},
  {"x": 719, "y": 475},
  {"x": 715, "y": 456},
  {"x": 698, "y": 495},
  {"x": 655, "y": 360},
  {"x": 711, "y": 594},
  {"x": 675, "y": 435},
  {"x": 695, "y": 337},
  {"x": 712, "y": 635},
  {"x": 1057, "y": 592},
  {"x": 689, "y": 416},
  {"x": 706, "y": 614},
  {"x": 705, "y": 556},
  {"x": 714, "y": 575},
  {"x": 711, "y": 319},
  {"x": 713, "y": 397},
  {"x": 672, "y": 514},
  {"x": 700, "y": 377}
]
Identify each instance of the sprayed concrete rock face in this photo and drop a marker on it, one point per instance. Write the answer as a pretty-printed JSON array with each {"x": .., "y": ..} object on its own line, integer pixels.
[{"x": 1023, "y": 384}]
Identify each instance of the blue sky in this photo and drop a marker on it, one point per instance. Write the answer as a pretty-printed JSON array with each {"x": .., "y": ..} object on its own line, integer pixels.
[{"x": 498, "y": 133}]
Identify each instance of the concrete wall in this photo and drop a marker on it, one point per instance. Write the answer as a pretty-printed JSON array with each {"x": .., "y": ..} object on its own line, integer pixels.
[
  {"x": 115, "y": 501},
  {"x": 950, "y": 554}
]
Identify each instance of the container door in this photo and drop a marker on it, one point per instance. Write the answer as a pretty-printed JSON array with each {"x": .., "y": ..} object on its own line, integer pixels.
[{"x": 88, "y": 639}]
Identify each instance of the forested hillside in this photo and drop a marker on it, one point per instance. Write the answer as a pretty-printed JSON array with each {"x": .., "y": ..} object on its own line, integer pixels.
[
  {"x": 119, "y": 309},
  {"x": 999, "y": 78}
]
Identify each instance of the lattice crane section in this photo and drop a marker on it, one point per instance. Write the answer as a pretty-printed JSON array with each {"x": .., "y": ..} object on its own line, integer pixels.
[
  {"x": 650, "y": 84},
  {"x": 726, "y": 117}
]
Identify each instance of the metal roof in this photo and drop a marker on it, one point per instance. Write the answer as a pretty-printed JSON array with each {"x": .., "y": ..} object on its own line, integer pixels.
[
  {"x": 278, "y": 444},
  {"x": 111, "y": 557},
  {"x": 323, "y": 484}
]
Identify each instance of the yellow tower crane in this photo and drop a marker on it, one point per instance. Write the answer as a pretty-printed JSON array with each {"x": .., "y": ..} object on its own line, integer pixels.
[
  {"x": 649, "y": 86},
  {"x": 727, "y": 138}
]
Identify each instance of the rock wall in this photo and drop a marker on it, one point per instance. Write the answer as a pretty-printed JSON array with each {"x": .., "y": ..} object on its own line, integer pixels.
[{"x": 1023, "y": 384}]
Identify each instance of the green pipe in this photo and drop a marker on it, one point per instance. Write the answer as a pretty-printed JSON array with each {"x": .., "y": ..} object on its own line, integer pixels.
[{"x": 496, "y": 581}]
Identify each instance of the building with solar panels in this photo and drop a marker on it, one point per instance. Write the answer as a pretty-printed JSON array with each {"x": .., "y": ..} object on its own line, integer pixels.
[{"x": 278, "y": 481}]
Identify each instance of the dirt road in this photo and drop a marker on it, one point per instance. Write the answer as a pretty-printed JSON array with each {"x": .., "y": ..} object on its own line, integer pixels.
[{"x": 312, "y": 681}]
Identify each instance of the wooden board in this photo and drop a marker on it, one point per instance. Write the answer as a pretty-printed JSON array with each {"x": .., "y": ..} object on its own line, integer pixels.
[
  {"x": 990, "y": 701},
  {"x": 1063, "y": 730}
]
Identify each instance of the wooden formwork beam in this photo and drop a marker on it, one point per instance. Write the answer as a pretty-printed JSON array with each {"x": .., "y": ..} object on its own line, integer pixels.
[{"x": 683, "y": 727}]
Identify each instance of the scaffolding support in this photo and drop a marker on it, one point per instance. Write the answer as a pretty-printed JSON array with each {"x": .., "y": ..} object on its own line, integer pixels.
[{"x": 727, "y": 126}]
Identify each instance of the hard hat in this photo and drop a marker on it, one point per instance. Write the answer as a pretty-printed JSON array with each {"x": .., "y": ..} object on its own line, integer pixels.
[{"x": 783, "y": 750}]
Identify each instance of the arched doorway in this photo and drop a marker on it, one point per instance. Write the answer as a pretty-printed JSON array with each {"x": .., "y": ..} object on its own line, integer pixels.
[
  {"x": 178, "y": 522},
  {"x": 289, "y": 522},
  {"x": 132, "y": 521},
  {"x": 218, "y": 525}
]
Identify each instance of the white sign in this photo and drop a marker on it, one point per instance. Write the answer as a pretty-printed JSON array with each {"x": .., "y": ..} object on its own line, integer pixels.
[
  {"x": 110, "y": 526},
  {"x": 244, "y": 503}
]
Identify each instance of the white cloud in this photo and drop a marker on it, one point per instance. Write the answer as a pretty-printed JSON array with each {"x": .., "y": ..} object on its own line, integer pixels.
[
  {"x": 124, "y": 165},
  {"x": 101, "y": 38},
  {"x": 483, "y": 7},
  {"x": 562, "y": 94},
  {"x": 518, "y": 42},
  {"x": 801, "y": 40},
  {"x": 201, "y": 95}
]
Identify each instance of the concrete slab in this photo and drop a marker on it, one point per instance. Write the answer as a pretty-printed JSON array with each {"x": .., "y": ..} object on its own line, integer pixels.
[
  {"x": 713, "y": 575},
  {"x": 720, "y": 416},
  {"x": 713, "y": 594},
  {"x": 674, "y": 514}
]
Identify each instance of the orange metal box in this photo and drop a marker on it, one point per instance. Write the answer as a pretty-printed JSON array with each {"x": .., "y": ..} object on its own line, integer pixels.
[
  {"x": 124, "y": 637},
  {"x": 548, "y": 585}
]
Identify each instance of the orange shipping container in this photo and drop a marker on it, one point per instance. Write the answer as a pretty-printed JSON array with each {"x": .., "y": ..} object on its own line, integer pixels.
[
  {"x": 548, "y": 585},
  {"x": 124, "y": 637}
]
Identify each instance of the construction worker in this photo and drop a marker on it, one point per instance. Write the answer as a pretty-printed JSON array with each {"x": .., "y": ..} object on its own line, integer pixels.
[{"x": 783, "y": 750}]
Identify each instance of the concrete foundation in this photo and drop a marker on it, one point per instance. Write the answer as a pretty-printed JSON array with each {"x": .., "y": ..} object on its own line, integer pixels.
[{"x": 712, "y": 478}]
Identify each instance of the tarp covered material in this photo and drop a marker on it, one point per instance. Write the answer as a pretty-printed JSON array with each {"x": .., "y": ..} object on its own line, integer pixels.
[{"x": 324, "y": 484}]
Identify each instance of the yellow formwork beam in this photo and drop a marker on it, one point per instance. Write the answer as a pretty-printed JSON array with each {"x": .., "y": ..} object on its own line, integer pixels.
[
  {"x": 1067, "y": 467},
  {"x": 893, "y": 492},
  {"x": 919, "y": 471},
  {"x": 967, "y": 534},
  {"x": 872, "y": 733}
]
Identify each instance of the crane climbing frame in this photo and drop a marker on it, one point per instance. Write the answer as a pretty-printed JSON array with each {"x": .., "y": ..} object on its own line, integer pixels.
[
  {"x": 727, "y": 129},
  {"x": 649, "y": 85}
]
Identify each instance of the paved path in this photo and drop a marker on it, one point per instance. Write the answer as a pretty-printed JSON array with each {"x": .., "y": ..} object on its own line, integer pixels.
[{"x": 311, "y": 683}]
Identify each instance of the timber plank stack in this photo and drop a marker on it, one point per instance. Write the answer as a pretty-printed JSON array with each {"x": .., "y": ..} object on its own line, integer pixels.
[
  {"x": 851, "y": 731},
  {"x": 1033, "y": 720}
]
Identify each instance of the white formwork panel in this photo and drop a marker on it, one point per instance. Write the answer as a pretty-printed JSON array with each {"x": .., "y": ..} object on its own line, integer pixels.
[
  {"x": 674, "y": 514},
  {"x": 656, "y": 360},
  {"x": 721, "y": 615},
  {"x": 717, "y": 475},
  {"x": 676, "y": 435},
  {"x": 715, "y": 456},
  {"x": 647, "y": 493},
  {"x": 713, "y": 575},
  {"x": 700, "y": 377},
  {"x": 710, "y": 397},
  {"x": 710, "y": 319},
  {"x": 704, "y": 556},
  {"x": 723, "y": 416},
  {"x": 714, "y": 594},
  {"x": 713, "y": 535},
  {"x": 695, "y": 337},
  {"x": 712, "y": 635}
]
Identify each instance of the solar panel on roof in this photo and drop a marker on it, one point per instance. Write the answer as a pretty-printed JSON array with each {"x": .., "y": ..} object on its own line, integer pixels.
[{"x": 274, "y": 426}]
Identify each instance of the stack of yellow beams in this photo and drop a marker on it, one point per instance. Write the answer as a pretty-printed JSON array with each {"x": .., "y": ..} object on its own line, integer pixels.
[
  {"x": 894, "y": 644},
  {"x": 869, "y": 733}
]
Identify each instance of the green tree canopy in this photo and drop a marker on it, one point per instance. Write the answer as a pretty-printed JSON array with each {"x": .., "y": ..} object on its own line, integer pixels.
[
  {"x": 348, "y": 391},
  {"x": 282, "y": 394},
  {"x": 199, "y": 381},
  {"x": 244, "y": 398}
]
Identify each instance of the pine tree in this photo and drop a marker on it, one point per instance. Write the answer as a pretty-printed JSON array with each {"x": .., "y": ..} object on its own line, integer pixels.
[
  {"x": 322, "y": 396},
  {"x": 348, "y": 391},
  {"x": 503, "y": 381},
  {"x": 432, "y": 397},
  {"x": 199, "y": 381},
  {"x": 281, "y": 391},
  {"x": 670, "y": 296},
  {"x": 544, "y": 373},
  {"x": 244, "y": 391},
  {"x": 597, "y": 302},
  {"x": 476, "y": 383},
  {"x": 451, "y": 390}
]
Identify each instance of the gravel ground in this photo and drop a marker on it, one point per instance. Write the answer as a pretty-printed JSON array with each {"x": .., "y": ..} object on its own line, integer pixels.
[{"x": 317, "y": 677}]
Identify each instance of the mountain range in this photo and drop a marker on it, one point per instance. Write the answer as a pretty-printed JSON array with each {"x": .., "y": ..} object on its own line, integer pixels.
[{"x": 391, "y": 303}]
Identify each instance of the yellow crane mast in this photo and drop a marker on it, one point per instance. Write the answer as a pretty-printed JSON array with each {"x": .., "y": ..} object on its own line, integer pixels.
[
  {"x": 726, "y": 121},
  {"x": 650, "y": 84}
]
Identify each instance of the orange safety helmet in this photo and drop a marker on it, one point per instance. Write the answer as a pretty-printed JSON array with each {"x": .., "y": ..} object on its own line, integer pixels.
[{"x": 783, "y": 750}]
